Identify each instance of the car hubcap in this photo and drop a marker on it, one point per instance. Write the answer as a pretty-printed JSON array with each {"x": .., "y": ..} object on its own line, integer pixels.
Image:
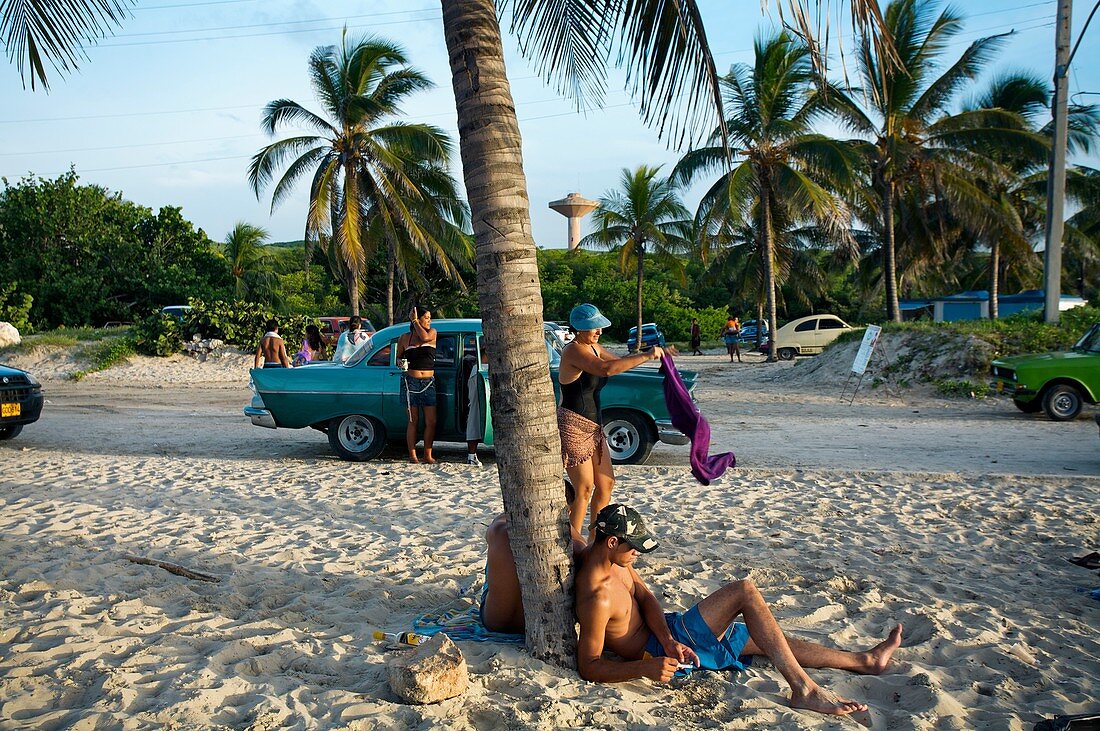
[
  {"x": 622, "y": 439},
  {"x": 356, "y": 433},
  {"x": 1064, "y": 404}
]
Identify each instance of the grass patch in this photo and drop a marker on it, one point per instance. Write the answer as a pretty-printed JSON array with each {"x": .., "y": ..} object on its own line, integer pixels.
[
  {"x": 104, "y": 354},
  {"x": 964, "y": 388},
  {"x": 66, "y": 337}
]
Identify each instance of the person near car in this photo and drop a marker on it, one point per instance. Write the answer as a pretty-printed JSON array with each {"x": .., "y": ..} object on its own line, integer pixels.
[
  {"x": 417, "y": 350},
  {"x": 731, "y": 334},
  {"x": 351, "y": 341},
  {"x": 271, "y": 352},
  {"x": 584, "y": 370},
  {"x": 313, "y": 347},
  {"x": 475, "y": 416},
  {"x": 696, "y": 336}
]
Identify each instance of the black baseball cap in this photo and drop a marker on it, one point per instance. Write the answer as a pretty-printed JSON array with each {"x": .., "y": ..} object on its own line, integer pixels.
[{"x": 626, "y": 524}]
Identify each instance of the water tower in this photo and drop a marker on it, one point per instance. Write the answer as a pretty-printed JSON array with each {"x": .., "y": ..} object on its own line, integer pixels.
[{"x": 574, "y": 207}]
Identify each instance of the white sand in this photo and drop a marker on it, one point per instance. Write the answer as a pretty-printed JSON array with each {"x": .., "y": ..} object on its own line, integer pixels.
[{"x": 314, "y": 554}]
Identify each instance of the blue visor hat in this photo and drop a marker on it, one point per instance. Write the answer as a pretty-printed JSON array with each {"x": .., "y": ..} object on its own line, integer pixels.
[{"x": 587, "y": 317}]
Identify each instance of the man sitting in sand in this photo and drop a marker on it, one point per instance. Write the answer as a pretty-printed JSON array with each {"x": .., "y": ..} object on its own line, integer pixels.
[
  {"x": 617, "y": 612},
  {"x": 501, "y": 603},
  {"x": 271, "y": 352}
]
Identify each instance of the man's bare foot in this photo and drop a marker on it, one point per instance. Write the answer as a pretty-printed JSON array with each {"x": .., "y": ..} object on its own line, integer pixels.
[
  {"x": 819, "y": 700},
  {"x": 877, "y": 659}
]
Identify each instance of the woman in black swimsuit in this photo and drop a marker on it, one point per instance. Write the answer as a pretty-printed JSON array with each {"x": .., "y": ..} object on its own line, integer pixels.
[
  {"x": 585, "y": 367},
  {"x": 417, "y": 348}
]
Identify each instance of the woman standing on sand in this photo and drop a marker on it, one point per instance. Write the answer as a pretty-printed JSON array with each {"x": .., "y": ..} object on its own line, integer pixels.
[
  {"x": 731, "y": 333},
  {"x": 416, "y": 354},
  {"x": 585, "y": 367}
]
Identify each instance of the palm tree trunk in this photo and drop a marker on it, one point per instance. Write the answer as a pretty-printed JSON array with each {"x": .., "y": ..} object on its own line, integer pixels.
[
  {"x": 760, "y": 318},
  {"x": 640, "y": 248},
  {"x": 391, "y": 268},
  {"x": 525, "y": 428},
  {"x": 889, "y": 252},
  {"x": 353, "y": 287},
  {"x": 767, "y": 233},
  {"x": 994, "y": 276}
]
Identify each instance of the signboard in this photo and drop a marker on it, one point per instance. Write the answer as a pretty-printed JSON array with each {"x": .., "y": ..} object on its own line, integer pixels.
[{"x": 863, "y": 355}]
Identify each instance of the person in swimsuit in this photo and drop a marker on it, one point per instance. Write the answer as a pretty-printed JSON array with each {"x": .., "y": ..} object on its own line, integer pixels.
[
  {"x": 618, "y": 612},
  {"x": 312, "y": 347},
  {"x": 731, "y": 334},
  {"x": 501, "y": 608},
  {"x": 417, "y": 349},
  {"x": 271, "y": 352},
  {"x": 585, "y": 368}
]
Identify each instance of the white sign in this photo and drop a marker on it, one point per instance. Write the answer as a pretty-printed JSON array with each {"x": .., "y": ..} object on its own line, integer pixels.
[{"x": 863, "y": 355}]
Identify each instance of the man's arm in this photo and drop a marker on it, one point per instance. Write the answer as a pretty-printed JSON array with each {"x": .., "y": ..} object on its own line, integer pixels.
[
  {"x": 594, "y": 612},
  {"x": 654, "y": 617}
]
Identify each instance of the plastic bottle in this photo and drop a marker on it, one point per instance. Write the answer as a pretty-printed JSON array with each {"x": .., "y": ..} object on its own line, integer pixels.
[{"x": 405, "y": 638}]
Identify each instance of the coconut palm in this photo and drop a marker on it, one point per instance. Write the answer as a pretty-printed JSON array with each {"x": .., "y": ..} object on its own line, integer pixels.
[
  {"x": 784, "y": 171},
  {"x": 248, "y": 261},
  {"x": 644, "y": 216},
  {"x": 920, "y": 155},
  {"x": 363, "y": 163}
]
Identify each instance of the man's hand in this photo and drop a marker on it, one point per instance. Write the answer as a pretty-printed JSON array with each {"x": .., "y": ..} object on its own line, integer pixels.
[
  {"x": 660, "y": 669},
  {"x": 681, "y": 652}
]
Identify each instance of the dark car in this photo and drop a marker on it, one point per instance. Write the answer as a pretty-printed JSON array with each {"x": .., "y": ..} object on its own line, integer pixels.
[
  {"x": 748, "y": 331},
  {"x": 20, "y": 401},
  {"x": 651, "y": 336}
]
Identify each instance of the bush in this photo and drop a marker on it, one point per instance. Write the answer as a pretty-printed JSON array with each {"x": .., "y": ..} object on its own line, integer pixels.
[
  {"x": 962, "y": 388},
  {"x": 15, "y": 308},
  {"x": 106, "y": 353},
  {"x": 235, "y": 323},
  {"x": 157, "y": 335}
]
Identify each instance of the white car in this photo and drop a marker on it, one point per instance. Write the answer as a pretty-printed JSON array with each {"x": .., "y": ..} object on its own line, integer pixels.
[{"x": 808, "y": 335}]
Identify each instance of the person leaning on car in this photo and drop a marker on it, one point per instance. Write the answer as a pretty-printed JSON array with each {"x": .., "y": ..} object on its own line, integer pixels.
[{"x": 351, "y": 340}]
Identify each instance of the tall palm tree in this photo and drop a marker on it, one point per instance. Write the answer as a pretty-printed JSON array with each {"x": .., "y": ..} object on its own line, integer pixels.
[
  {"x": 362, "y": 162},
  {"x": 248, "y": 261},
  {"x": 784, "y": 172},
  {"x": 916, "y": 149},
  {"x": 644, "y": 216}
]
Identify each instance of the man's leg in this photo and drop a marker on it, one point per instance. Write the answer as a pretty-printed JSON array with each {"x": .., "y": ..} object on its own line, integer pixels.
[
  {"x": 743, "y": 598},
  {"x": 813, "y": 655}
]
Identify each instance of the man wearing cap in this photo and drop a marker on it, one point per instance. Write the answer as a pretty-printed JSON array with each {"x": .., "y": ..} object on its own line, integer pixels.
[
  {"x": 617, "y": 612},
  {"x": 585, "y": 368}
]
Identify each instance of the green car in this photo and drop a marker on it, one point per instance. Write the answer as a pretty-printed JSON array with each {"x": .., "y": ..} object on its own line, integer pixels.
[
  {"x": 358, "y": 403},
  {"x": 1058, "y": 383}
]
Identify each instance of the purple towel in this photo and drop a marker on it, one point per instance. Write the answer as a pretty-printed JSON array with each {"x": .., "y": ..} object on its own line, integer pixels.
[{"x": 686, "y": 417}]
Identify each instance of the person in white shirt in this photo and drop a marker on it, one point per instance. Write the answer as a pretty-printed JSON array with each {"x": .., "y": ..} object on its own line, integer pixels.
[{"x": 351, "y": 340}]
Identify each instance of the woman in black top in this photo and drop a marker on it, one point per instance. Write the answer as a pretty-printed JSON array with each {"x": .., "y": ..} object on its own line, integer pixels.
[
  {"x": 417, "y": 349},
  {"x": 585, "y": 367}
]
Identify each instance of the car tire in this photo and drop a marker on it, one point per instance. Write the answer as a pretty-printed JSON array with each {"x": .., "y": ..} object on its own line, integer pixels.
[
  {"x": 10, "y": 432},
  {"x": 1062, "y": 402},
  {"x": 1029, "y": 407},
  {"x": 629, "y": 436},
  {"x": 786, "y": 354},
  {"x": 356, "y": 437}
]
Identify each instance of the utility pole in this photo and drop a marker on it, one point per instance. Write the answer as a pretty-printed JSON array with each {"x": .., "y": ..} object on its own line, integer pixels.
[{"x": 1056, "y": 176}]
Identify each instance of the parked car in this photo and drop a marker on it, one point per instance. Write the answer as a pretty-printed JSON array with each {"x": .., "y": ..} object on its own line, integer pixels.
[
  {"x": 20, "y": 401},
  {"x": 651, "y": 336},
  {"x": 561, "y": 331},
  {"x": 176, "y": 311},
  {"x": 748, "y": 331},
  {"x": 332, "y": 326},
  {"x": 358, "y": 404},
  {"x": 807, "y": 335},
  {"x": 1058, "y": 383}
]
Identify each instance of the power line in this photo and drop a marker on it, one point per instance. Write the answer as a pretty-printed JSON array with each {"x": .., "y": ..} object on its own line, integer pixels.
[
  {"x": 281, "y": 23},
  {"x": 128, "y": 146}
]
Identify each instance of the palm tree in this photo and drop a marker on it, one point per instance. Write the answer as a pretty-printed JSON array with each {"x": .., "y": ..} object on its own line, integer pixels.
[
  {"x": 785, "y": 172},
  {"x": 918, "y": 151},
  {"x": 643, "y": 216},
  {"x": 363, "y": 163},
  {"x": 248, "y": 259}
]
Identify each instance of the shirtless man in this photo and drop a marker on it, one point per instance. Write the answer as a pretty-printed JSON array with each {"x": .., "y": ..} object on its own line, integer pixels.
[
  {"x": 501, "y": 603},
  {"x": 617, "y": 612},
  {"x": 271, "y": 352}
]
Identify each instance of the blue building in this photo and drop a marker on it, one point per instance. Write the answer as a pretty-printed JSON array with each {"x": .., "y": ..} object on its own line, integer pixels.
[{"x": 974, "y": 305}]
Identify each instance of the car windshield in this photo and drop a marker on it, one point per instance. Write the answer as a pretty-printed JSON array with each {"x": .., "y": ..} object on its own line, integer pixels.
[
  {"x": 1090, "y": 341},
  {"x": 358, "y": 356}
]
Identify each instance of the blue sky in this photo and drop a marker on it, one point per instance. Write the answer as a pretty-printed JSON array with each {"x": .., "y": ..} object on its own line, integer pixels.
[{"x": 167, "y": 111}]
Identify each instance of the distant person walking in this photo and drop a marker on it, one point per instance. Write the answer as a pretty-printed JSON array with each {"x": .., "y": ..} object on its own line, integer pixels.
[
  {"x": 417, "y": 350},
  {"x": 731, "y": 334},
  {"x": 313, "y": 348},
  {"x": 585, "y": 367},
  {"x": 271, "y": 352},
  {"x": 696, "y": 336},
  {"x": 351, "y": 340}
]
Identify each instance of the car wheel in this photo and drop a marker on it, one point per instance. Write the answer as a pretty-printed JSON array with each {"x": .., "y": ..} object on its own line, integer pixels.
[
  {"x": 356, "y": 438},
  {"x": 629, "y": 437},
  {"x": 786, "y": 354},
  {"x": 10, "y": 432},
  {"x": 1029, "y": 407},
  {"x": 1062, "y": 402}
]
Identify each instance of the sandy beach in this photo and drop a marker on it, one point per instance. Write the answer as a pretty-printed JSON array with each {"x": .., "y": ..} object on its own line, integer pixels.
[{"x": 954, "y": 518}]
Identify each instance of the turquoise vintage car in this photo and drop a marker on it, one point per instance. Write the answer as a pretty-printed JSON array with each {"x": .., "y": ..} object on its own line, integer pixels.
[{"x": 358, "y": 404}]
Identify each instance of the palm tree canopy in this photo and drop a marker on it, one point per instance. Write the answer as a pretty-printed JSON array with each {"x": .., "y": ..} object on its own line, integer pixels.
[{"x": 643, "y": 214}]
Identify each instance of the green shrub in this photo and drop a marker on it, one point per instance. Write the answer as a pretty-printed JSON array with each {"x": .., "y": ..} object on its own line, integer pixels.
[
  {"x": 240, "y": 324},
  {"x": 157, "y": 334},
  {"x": 16, "y": 308},
  {"x": 962, "y": 388}
]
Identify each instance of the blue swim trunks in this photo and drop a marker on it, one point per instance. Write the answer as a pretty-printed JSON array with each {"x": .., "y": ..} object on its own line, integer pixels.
[{"x": 689, "y": 628}]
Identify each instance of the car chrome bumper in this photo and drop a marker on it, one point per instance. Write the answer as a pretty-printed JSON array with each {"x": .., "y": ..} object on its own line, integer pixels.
[
  {"x": 260, "y": 417},
  {"x": 668, "y": 434}
]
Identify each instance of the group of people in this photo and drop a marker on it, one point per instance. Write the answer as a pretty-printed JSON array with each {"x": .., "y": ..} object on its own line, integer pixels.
[
  {"x": 730, "y": 334},
  {"x": 615, "y": 609},
  {"x": 272, "y": 352}
]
